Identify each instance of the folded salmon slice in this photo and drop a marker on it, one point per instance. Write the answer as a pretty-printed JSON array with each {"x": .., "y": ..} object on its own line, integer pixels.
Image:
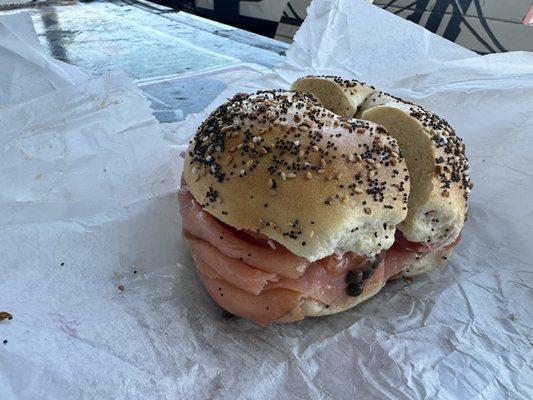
[
  {"x": 230, "y": 269},
  {"x": 265, "y": 308},
  {"x": 397, "y": 259},
  {"x": 324, "y": 280},
  {"x": 203, "y": 225}
]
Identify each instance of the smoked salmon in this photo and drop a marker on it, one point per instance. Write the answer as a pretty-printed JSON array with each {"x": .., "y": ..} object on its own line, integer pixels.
[
  {"x": 256, "y": 278},
  {"x": 203, "y": 225},
  {"x": 230, "y": 269},
  {"x": 264, "y": 308}
]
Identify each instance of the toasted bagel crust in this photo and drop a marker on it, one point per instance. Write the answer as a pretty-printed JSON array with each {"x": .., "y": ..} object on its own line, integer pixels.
[
  {"x": 278, "y": 163},
  {"x": 435, "y": 156}
]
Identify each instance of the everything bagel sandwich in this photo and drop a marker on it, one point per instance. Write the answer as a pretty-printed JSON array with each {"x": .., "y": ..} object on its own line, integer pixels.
[{"x": 290, "y": 209}]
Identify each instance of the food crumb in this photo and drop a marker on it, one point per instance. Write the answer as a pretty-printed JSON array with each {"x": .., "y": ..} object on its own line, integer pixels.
[
  {"x": 407, "y": 279},
  {"x": 5, "y": 315},
  {"x": 5, "y": 341},
  {"x": 120, "y": 287},
  {"x": 62, "y": 264}
]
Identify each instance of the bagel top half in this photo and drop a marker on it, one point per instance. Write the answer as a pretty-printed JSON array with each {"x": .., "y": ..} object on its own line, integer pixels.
[{"x": 279, "y": 164}]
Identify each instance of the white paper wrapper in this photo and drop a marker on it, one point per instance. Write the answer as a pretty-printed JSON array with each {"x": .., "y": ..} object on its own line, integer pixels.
[
  {"x": 88, "y": 179},
  {"x": 25, "y": 71}
]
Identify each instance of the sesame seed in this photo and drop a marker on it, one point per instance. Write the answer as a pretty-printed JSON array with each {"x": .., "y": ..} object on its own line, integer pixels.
[
  {"x": 308, "y": 175},
  {"x": 271, "y": 183},
  {"x": 283, "y": 176},
  {"x": 226, "y": 128},
  {"x": 251, "y": 145},
  {"x": 229, "y": 159},
  {"x": 315, "y": 148},
  {"x": 360, "y": 131},
  {"x": 367, "y": 210},
  {"x": 311, "y": 234},
  {"x": 291, "y": 175}
]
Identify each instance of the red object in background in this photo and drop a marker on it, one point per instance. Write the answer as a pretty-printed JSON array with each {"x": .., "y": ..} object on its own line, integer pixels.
[{"x": 528, "y": 19}]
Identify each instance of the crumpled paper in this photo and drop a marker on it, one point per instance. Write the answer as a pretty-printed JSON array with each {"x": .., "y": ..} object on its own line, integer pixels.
[
  {"x": 86, "y": 207},
  {"x": 25, "y": 71}
]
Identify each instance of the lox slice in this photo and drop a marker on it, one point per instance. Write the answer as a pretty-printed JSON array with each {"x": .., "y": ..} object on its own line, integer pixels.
[
  {"x": 203, "y": 225},
  {"x": 322, "y": 282},
  {"x": 265, "y": 308},
  {"x": 230, "y": 269}
]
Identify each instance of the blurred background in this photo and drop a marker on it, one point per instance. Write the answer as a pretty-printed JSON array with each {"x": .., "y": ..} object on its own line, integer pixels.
[
  {"x": 183, "y": 53},
  {"x": 485, "y": 26}
]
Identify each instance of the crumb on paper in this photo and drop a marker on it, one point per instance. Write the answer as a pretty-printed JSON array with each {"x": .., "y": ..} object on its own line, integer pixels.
[
  {"x": 117, "y": 275},
  {"x": 407, "y": 279},
  {"x": 5, "y": 315},
  {"x": 121, "y": 287}
]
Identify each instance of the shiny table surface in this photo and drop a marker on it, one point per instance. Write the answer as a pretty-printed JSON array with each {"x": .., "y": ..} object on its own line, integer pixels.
[{"x": 174, "y": 57}]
